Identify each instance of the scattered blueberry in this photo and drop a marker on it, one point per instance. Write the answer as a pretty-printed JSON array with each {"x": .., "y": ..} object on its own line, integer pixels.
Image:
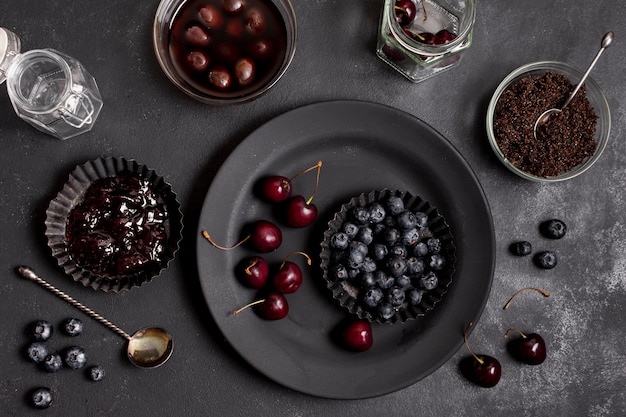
[
  {"x": 339, "y": 241},
  {"x": 37, "y": 352},
  {"x": 403, "y": 281},
  {"x": 415, "y": 296},
  {"x": 75, "y": 357},
  {"x": 394, "y": 205},
  {"x": 379, "y": 251},
  {"x": 406, "y": 220},
  {"x": 385, "y": 310},
  {"x": 415, "y": 267},
  {"x": 355, "y": 259},
  {"x": 41, "y": 330},
  {"x": 436, "y": 262},
  {"x": 396, "y": 266},
  {"x": 434, "y": 245},
  {"x": 52, "y": 363},
  {"x": 360, "y": 215},
  {"x": 421, "y": 219},
  {"x": 383, "y": 280},
  {"x": 546, "y": 259},
  {"x": 41, "y": 398},
  {"x": 73, "y": 327},
  {"x": 396, "y": 296},
  {"x": 429, "y": 281},
  {"x": 420, "y": 249},
  {"x": 372, "y": 297},
  {"x": 358, "y": 246},
  {"x": 368, "y": 280},
  {"x": 410, "y": 237},
  {"x": 96, "y": 373},
  {"x": 553, "y": 228},
  {"x": 368, "y": 265},
  {"x": 350, "y": 229},
  {"x": 365, "y": 235},
  {"x": 521, "y": 248},
  {"x": 377, "y": 213}
]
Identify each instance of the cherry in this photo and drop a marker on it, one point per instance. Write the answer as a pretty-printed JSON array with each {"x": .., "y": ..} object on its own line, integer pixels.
[
  {"x": 197, "y": 60},
  {"x": 273, "y": 306},
  {"x": 220, "y": 78},
  {"x": 288, "y": 278},
  {"x": 195, "y": 35},
  {"x": 255, "y": 21},
  {"x": 234, "y": 6},
  {"x": 483, "y": 370},
  {"x": 301, "y": 213},
  {"x": 244, "y": 71},
  {"x": 262, "y": 49},
  {"x": 277, "y": 188},
  {"x": 530, "y": 349},
  {"x": 211, "y": 17},
  {"x": 254, "y": 271},
  {"x": 540, "y": 291},
  {"x": 264, "y": 237},
  {"x": 357, "y": 336},
  {"x": 405, "y": 12},
  {"x": 444, "y": 36}
]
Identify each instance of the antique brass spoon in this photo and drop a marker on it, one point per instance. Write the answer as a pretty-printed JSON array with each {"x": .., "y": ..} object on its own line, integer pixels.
[
  {"x": 147, "y": 348},
  {"x": 543, "y": 118}
]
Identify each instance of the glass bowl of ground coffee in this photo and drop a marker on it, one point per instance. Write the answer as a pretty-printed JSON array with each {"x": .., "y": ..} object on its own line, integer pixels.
[{"x": 570, "y": 142}]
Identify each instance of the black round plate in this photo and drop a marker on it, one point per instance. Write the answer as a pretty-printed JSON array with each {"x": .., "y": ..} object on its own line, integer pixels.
[{"x": 363, "y": 146}]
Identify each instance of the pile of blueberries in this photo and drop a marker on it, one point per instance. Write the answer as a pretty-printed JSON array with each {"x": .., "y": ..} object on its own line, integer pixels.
[
  {"x": 73, "y": 357},
  {"x": 389, "y": 253},
  {"x": 547, "y": 259}
]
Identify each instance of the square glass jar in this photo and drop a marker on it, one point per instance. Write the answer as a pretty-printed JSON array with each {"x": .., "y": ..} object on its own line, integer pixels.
[{"x": 431, "y": 39}]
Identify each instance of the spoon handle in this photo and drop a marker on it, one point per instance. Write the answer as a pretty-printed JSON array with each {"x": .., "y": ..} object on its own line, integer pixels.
[
  {"x": 28, "y": 273},
  {"x": 606, "y": 41}
]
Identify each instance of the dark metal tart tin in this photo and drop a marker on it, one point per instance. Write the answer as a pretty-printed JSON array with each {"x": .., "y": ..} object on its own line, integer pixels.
[
  {"x": 72, "y": 194},
  {"x": 347, "y": 293}
]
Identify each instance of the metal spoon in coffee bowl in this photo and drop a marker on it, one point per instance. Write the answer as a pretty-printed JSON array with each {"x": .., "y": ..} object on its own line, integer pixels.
[
  {"x": 543, "y": 118},
  {"x": 147, "y": 348}
]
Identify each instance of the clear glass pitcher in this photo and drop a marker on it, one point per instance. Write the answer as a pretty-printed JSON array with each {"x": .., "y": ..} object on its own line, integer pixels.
[{"x": 48, "y": 89}]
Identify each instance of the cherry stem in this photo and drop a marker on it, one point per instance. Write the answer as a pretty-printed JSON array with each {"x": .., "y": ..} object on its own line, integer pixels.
[
  {"x": 252, "y": 304},
  {"x": 249, "y": 267},
  {"x": 308, "y": 258},
  {"x": 424, "y": 8},
  {"x": 417, "y": 35},
  {"x": 542, "y": 292},
  {"x": 467, "y": 344},
  {"x": 514, "y": 329},
  {"x": 317, "y": 166},
  {"x": 208, "y": 237}
]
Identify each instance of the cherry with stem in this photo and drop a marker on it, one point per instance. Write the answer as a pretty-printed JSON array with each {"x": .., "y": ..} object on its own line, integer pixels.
[
  {"x": 300, "y": 212},
  {"x": 263, "y": 237},
  {"x": 273, "y": 306},
  {"x": 483, "y": 370},
  {"x": 528, "y": 348},
  {"x": 277, "y": 188},
  {"x": 288, "y": 278}
]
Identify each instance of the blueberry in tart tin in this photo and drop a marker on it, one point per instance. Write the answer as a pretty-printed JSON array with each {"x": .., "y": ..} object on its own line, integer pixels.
[
  {"x": 388, "y": 256},
  {"x": 115, "y": 224}
]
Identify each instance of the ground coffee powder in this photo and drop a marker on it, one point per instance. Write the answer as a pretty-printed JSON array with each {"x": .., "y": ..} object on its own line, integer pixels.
[{"x": 564, "y": 142}]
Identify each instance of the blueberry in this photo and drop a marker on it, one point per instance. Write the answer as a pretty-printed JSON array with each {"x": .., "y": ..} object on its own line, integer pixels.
[
  {"x": 52, "y": 362},
  {"x": 521, "y": 248},
  {"x": 399, "y": 250},
  {"x": 429, "y": 281},
  {"x": 553, "y": 228},
  {"x": 383, "y": 280},
  {"x": 360, "y": 215},
  {"x": 378, "y": 229},
  {"x": 421, "y": 219},
  {"x": 37, "y": 352},
  {"x": 546, "y": 259},
  {"x": 350, "y": 229},
  {"x": 379, "y": 251},
  {"x": 390, "y": 221},
  {"x": 338, "y": 273},
  {"x": 406, "y": 220},
  {"x": 367, "y": 280},
  {"x": 73, "y": 327},
  {"x": 377, "y": 213},
  {"x": 338, "y": 256},
  {"x": 415, "y": 267},
  {"x": 436, "y": 262},
  {"x": 41, "y": 330},
  {"x": 75, "y": 357},
  {"x": 358, "y": 246},
  {"x": 415, "y": 296},
  {"x": 434, "y": 245},
  {"x": 420, "y": 250},
  {"x": 394, "y": 205},
  {"x": 355, "y": 259},
  {"x": 391, "y": 236},
  {"x": 339, "y": 241},
  {"x": 96, "y": 373},
  {"x": 41, "y": 398},
  {"x": 353, "y": 273},
  {"x": 396, "y": 266},
  {"x": 368, "y": 265},
  {"x": 372, "y": 297},
  {"x": 410, "y": 237},
  {"x": 403, "y": 281},
  {"x": 365, "y": 235},
  {"x": 385, "y": 310},
  {"x": 396, "y": 296}
]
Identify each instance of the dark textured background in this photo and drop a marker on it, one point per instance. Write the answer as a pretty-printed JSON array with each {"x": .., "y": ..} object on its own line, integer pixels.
[{"x": 146, "y": 118}]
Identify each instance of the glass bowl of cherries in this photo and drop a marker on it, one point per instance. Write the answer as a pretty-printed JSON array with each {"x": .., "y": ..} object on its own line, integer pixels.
[
  {"x": 568, "y": 143},
  {"x": 224, "y": 51}
]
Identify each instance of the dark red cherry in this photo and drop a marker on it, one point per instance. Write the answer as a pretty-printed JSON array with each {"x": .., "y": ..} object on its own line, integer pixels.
[
  {"x": 263, "y": 236},
  {"x": 405, "y": 11},
  {"x": 255, "y": 21},
  {"x": 275, "y": 188},
  {"x": 444, "y": 36},
  {"x": 253, "y": 271},
  {"x": 273, "y": 306},
  {"x": 261, "y": 49},
  {"x": 528, "y": 348},
  {"x": 299, "y": 212},
  {"x": 220, "y": 78},
  {"x": 196, "y": 36},
  {"x": 211, "y": 17},
  {"x": 197, "y": 61},
  {"x": 288, "y": 278},
  {"x": 244, "y": 71},
  {"x": 358, "y": 336},
  {"x": 234, "y": 7},
  {"x": 483, "y": 370}
]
